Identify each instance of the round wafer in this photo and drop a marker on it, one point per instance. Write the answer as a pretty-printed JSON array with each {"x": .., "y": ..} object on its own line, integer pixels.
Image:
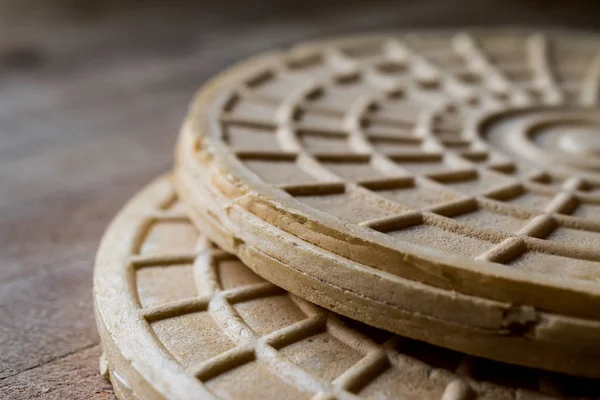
[
  {"x": 441, "y": 185},
  {"x": 181, "y": 319}
]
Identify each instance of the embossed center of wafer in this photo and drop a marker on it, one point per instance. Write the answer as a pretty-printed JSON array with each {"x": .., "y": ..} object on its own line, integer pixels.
[
  {"x": 580, "y": 140},
  {"x": 561, "y": 139}
]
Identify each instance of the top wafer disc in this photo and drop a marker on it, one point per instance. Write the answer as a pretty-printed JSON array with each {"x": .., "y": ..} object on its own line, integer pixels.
[{"x": 445, "y": 186}]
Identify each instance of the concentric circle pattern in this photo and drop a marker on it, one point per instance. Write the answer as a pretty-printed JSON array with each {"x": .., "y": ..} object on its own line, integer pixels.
[
  {"x": 453, "y": 177},
  {"x": 180, "y": 319}
]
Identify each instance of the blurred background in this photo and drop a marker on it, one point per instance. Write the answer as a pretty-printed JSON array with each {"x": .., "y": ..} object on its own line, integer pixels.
[{"x": 92, "y": 93}]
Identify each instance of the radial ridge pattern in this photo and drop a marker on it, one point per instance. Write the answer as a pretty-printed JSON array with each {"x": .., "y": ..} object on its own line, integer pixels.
[{"x": 466, "y": 162}]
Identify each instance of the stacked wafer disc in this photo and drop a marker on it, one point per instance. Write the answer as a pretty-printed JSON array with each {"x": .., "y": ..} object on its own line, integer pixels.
[{"x": 414, "y": 215}]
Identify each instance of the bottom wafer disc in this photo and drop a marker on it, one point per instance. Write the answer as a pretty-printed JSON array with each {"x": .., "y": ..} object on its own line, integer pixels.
[{"x": 180, "y": 319}]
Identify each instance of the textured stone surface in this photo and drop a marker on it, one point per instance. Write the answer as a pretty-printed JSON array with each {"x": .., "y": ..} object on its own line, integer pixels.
[{"x": 74, "y": 376}]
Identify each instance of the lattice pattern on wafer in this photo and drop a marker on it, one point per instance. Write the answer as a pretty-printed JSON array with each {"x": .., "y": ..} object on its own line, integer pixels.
[
  {"x": 449, "y": 179},
  {"x": 399, "y": 110},
  {"x": 371, "y": 130},
  {"x": 243, "y": 337}
]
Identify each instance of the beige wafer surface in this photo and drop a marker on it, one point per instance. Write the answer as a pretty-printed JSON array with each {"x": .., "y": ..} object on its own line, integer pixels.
[
  {"x": 444, "y": 186},
  {"x": 181, "y": 319}
]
